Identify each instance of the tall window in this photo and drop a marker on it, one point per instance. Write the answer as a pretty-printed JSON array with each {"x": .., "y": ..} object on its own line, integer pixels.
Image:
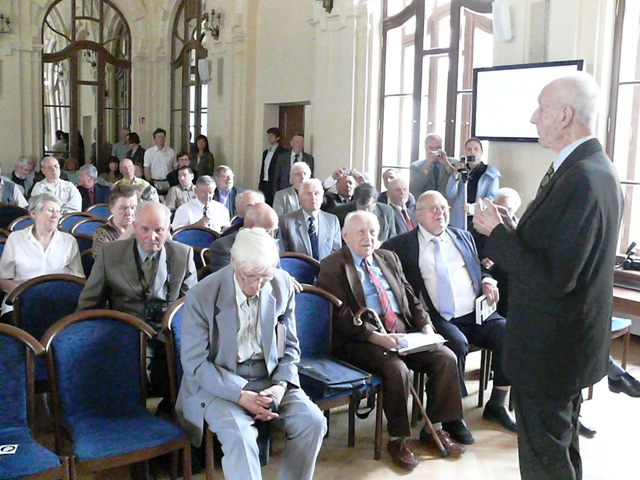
[
  {"x": 429, "y": 51},
  {"x": 624, "y": 115},
  {"x": 188, "y": 93},
  {"x": 86, "y": 78}
]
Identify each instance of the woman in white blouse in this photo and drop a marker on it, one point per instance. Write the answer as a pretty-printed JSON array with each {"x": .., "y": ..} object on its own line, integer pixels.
[{"x": 40, "y": 249}]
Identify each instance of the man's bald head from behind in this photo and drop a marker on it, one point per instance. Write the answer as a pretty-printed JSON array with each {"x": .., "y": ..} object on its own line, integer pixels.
[{"x": 261, "y": 215}]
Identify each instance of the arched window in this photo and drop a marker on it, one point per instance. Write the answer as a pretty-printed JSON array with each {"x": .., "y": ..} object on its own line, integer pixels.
[
  {"x": 86, "y": 68},
  {"x": 429, "y": 50},
  {"x": 188, "y": 92}
]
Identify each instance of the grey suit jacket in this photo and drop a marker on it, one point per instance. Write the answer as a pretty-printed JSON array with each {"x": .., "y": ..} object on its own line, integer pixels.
[
  {"x": 295, "y": 236},
  {"x": 210, "y": 344},
  {"x": 286, "y": 201},
  {"x": 401, "y": 224},
  {"x": 114, "y": 277},
  {"x": 382, "y": 211}
]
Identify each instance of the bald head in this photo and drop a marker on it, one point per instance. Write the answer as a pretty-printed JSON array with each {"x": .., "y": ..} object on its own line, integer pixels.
[
  {"x": 263, "y": 216},
  {"x": 127, "y": 169},
  {"x": 246, "y": 199},
  {"x": 398, "y": 193},
  {"x": 152, "y": 226}
]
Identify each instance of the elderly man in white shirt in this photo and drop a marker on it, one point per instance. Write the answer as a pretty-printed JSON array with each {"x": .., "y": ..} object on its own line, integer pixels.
[
  {"x": 65, "y": 191},
  {"x": 203, "y": 211},
  {"x": 159, "y": 161}
]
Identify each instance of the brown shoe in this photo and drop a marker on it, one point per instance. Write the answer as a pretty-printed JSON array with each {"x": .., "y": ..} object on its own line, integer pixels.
[
  {"x": 454, "y": 448},
  {"x": 402, "y": 455}
]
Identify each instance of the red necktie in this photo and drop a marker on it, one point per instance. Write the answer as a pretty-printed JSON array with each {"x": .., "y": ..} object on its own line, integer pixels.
[
  {"x": 388, "y": 316},
  {"x": 407, "y": 220},
  {"x": 92, "y": 195}
]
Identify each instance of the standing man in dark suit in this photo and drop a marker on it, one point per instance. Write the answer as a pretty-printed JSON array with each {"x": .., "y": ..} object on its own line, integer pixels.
[
  {"x": 397, "y": 198},
  {"x": 560, "y": 262},
  {"x": 432, "y": 173},
  {"x": 287, "y": 159},
  {"x": 361, "y": 276},
  {"x": 365, "y": 198},
  {"x": 90, "y": 191},
  {"x": 269, "y": 160},
  {"x": 225, "y": 192}
]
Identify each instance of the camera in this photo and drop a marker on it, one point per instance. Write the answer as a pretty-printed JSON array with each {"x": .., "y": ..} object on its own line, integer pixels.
[
  {"x": 629, "y": 262},
  {"x": 436, "y": 154},
  {"x": 154, "y": 312}
]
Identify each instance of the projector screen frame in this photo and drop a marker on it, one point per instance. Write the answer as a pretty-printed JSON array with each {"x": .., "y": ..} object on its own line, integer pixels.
[{"x": 579, "y": 64}]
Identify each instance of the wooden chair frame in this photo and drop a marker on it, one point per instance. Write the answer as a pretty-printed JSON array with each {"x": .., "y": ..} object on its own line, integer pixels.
[
  {"x": 95, "y": 207},
  {"x": 18, "y": 220},
  {"x": 81, "y": 216},
  {"x": 84, "y": 222}
]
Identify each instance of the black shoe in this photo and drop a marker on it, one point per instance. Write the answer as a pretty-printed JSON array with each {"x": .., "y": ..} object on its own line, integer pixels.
[
  {"x": 625, "y": 384},
  {"x": 459, "y": 431},
  {"x": 500, "y": 416},
  {"x": 585, "y": 431}
]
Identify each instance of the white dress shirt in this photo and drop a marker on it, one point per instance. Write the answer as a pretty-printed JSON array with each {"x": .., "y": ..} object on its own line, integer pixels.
[
  {"x": 161, "y": 162},
  {"x": 249, "y": 331},
  {"x": 192, "y": 211}
]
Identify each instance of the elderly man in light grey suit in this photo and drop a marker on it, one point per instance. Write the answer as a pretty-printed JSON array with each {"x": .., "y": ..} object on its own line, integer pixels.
[
  {"x": 310, "y": 230},
  {"x": 240, "y": 353},
  {"x": 286, "y": 200}
]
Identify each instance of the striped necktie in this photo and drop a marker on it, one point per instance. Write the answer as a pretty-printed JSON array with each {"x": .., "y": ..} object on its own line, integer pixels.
[
  {"x": 388, "y": 316},
  {"x": 545, "y": 179},
  {"x": 313, "y": 237}
]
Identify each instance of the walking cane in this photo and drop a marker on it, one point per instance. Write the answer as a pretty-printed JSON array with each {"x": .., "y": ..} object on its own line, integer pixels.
[{"x": 375, "y": 319}]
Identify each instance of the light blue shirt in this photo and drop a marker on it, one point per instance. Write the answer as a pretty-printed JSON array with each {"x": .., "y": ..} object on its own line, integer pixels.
[
  {"x": 224, "y": 198},
  {"x": 566, "y": 151},
  {"x": 370, "y": 293}
]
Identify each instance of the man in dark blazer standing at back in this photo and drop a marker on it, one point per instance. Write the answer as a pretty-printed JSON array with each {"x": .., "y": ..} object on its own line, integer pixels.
[
  {"x": 560, "y": 262},
  {"x": 269, "y": 159},
  {"x": 287, "y": 159}
]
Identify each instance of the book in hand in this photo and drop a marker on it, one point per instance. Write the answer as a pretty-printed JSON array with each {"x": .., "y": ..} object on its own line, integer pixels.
[
  {"x": 483, "y": 309},
  {"x": 419, "y": 342}
]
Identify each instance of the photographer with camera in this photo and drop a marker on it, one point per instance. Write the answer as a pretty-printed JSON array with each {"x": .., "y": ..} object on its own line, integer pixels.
[
  {"x": 141, "y": 276},
  {"x": 432, "y": 173}
]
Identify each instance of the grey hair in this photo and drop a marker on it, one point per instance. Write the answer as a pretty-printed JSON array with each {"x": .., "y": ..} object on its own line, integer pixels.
[
  {"x": 44, "y": 158},
  {"x": 511, "y": 198},
  {"x": 36, "y": 203},
  {"x": 309, "y": 182},
  {"x": 351, "y": 216},
  {"x": 254, "y": 250},
  {"x": 26, "y": 161},
  {"x": 90, "y": 170},
  {"x": 298, "y": 166},
  {"x": 241, "y": 195},
  {"x": 432, "y": 136},
  {"x": 165, "y": 210},
  {"x": 580, "y": 92},
  {"x": 391, "y": 170},
  {"x": 205, "y": 180}
]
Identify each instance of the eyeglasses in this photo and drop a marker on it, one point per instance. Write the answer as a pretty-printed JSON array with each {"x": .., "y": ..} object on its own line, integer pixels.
[
  {"x": 51, "y": 211},
  {"x": 251, "y": 279},
  {"x": 436, "y": 208}
]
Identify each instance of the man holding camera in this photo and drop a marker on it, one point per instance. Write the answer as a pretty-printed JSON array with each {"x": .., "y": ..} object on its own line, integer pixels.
[
  {"x": 432, "y": 173},
  {"x": 142, "y": 275}
]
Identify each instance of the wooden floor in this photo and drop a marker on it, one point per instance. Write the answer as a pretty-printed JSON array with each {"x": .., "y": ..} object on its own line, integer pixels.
[{"x": 612, "y": 454}]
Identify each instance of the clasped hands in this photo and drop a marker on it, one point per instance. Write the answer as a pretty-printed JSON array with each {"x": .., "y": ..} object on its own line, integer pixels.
[{"x": 258, "y": 404}]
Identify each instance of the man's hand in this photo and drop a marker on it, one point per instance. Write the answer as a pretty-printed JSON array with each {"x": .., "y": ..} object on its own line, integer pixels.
[
  {"x": 297, "y": 286},
  {"x": 359, "y": 177},
  {"x": 492, "y": 293},
  {"x": 203, "y": 222},
  {"x": 255, "y": 404},
  {"x": 386, "y": 340},
  {"x": 506, "y": 217},
  {"x": 428, "y": 329},
  {"x": 275, "y": 390},
  {"x": 338, "y": 173},
  {"x": 484, "y": 221},
  {"x": 487, "y": 263}
]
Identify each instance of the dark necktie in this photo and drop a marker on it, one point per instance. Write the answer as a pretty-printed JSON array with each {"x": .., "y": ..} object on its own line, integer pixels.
[
  {"x": 388, "y": 316},
  {"x": 147, "y": 270},
  {"x": 313, "y": 237},
  {"x": 407, "y": 220},
  {"x": 445, "y": 292},
  {"x": 436, "y": 175},
  {"x": 296, "y": 158},
  {"x": 545, "y": 179},
  {"x": 205, "y": 210}
]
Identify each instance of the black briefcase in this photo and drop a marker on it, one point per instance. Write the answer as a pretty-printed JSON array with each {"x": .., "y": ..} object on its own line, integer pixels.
[{"x": 326, "y": 377}]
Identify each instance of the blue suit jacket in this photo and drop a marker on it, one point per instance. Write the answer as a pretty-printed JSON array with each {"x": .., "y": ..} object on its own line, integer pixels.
[{"x": 102, "y": 193}]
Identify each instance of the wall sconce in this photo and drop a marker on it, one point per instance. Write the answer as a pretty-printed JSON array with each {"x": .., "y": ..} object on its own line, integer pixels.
[
  {"x": 327, "y": 5},
  {"x": 5, "y": 24},
  {"x": 212, "y": 23}
]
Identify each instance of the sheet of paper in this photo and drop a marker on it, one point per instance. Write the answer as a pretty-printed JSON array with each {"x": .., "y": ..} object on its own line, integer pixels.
[{"x": 419, "y": 342}]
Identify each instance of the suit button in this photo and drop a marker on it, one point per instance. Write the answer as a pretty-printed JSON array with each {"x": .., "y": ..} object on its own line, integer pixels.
[{"x": 202, "y": 405}]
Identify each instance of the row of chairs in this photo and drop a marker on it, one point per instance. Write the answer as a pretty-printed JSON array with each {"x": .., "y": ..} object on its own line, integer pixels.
[{"x": 11, "y": 214}]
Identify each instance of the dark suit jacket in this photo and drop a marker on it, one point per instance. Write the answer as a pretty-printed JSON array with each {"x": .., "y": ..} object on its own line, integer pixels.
[
  {"x": 283, "y": 167},
  {"x": 101, "y": 195},
  {"x": 267, "y": 187},
  {"x": 339, "y": 276},
  {"x": 207, "y": 163},
  {"x": 407, "y": 247},
  {"x": 401, "y": 224},
  {"x": 232, "y": 199},
  {"x": 382, "y": 211},
  {"x": 560, "y": 264},
  {"x": 220, "y": 252},
  {"x": 137, "y": 158},
  {"x": 331, "y": 201}
]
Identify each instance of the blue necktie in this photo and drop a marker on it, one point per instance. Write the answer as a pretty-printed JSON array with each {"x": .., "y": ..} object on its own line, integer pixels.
[
  {"x": 313, "y": 236},
  {"x": 445, "y": 293}
]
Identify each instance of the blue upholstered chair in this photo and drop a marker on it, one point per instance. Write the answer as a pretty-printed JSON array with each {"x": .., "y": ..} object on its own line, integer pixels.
[
  {"x": 32, "y": 460},
  {"x": 2, "y": 242},
  {"x": 70, "y": 219},
  {"x": 87, "y": 226},
  {"x": 20, "y": 223},
  {"x": 85, "y": 242},
  {"x": 96, "y": 361},
  {"x": 8, "y": 213},
  {"x": 39, "y": 303},
  {"x": 195, "y": 236},
  {"x": 314, "y": 312},
  {"x": 303, "y": 268},
  {"x": 87, "y": 262},
  {"x": 100, "y": 210}
]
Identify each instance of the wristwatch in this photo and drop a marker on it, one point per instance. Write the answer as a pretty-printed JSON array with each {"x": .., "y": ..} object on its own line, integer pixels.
[{"x": 281, "y": 383}]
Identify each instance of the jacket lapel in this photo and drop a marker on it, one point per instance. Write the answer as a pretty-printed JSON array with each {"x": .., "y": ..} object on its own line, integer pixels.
[
  {"x": 391, "y": 277},
  {"x": 353, "y": 279},
  {"x": 469, "y": 261},
  {"x": 225, "y": 317},
  {"x": 303, "y": 233},
  {"x": 267, "y": 320}
]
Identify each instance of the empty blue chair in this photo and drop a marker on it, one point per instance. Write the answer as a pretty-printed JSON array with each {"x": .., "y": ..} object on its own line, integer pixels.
[
  {"x": 314, "y": 313},
  {"x": 97, "y": 368},
  {"x": 20, "y": 223},
  {"x": 195, "y": 236},
  {"x": 100, "y": 210},
  {"x": 8, "y": 213},
  {"x": 303, "y": 268},
  {"x": 88, "y": 226},
  {"x": 67, "y": 221},
  {"x": 17, "y": 351}
]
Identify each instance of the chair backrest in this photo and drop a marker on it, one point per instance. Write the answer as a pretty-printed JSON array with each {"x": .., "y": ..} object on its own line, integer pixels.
[
  {"x": 303, "y": 268},
  {"x": 88, "y": 226},
  {"x": 2, "y": 242},
  {"x": 8, "y": 213},
  {"x": 100, "y": 210},
  {"x": 87, "y": 262},
  {"x": 4, "y": 233},
  {"x": 96, "y": 364},
  {"x": 20, "y": 223},
  {"x": 172, "y": 330},
  {"x": 67, "y": 221},
  {"x": 17, "y": 350},
  {"x": 195, "y": 236},
  {"x": 314, "y": 311},
  {"x": 85, "y": 242}
]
